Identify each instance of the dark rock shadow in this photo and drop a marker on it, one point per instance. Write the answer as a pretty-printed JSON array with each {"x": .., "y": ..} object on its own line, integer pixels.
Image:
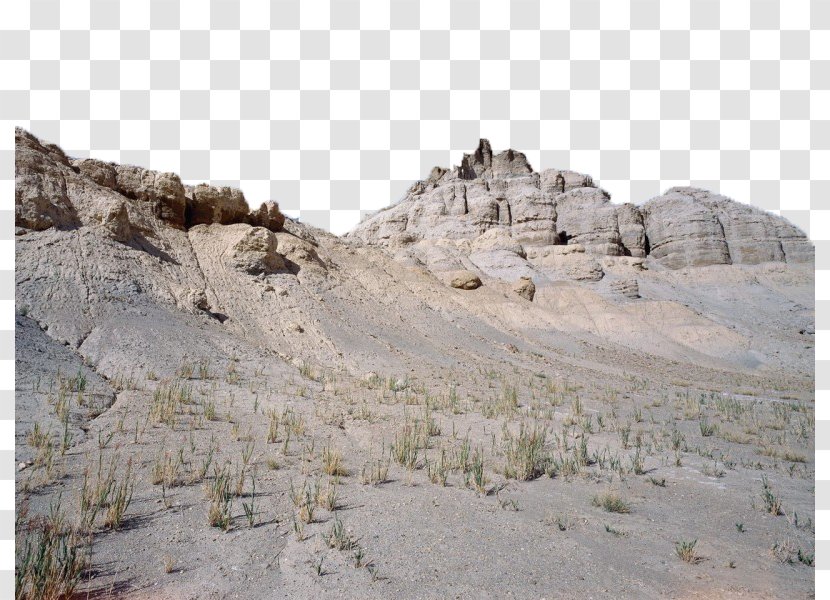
[{"x": 140, "y": 242}]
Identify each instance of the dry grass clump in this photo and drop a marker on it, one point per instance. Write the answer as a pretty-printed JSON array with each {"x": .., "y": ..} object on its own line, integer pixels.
[
  {"x": 407, "y": 444},
  {"x": 787, "y": 552},
  {"x": 376, "y": 470},
  {"x": 50, "y": 561},
  {"x": 305, "y": 501},
  {"x": 611, "y": 502},
  {"x": 686, "y": 551},
  {"x": 332, "y": 462},
  {"x": 772, "y": 503},
  {"x": 107, "y": 493},
  {"x": 524, "y": 452},
  {"x": 506, "y": 404},
  {"x": 474, "y": 475},
  {"x": 221, "y": 498},
  {"x": 168, "y": 400}
]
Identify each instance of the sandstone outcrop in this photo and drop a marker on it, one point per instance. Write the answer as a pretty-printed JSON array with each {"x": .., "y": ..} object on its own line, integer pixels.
[
  {"x": 40, "y": 194},
  {"x": 107, "y": 194},
  {"x": 509, "y": 221},
  {"x": 210, "y": 204},
  {"x": 256, "y": 252},
  {"x": 163, "y": 191},
  {"x": 693, "y": 227}
]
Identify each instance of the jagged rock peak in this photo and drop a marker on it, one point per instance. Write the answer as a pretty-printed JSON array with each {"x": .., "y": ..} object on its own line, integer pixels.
[
  {"x": 475, "y": 164},
  {"x": 482, "y": 164}
]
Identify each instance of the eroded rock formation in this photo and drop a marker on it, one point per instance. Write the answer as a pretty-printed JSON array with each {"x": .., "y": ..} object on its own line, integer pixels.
[
  {"x": 46, "y": 179},
  {"x": 495, "y": 212}
]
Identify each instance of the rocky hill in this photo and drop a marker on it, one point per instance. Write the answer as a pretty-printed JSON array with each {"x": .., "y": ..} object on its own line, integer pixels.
[
  {"x": 461, "y": 380},
  {"x": 541, "y": 224}
]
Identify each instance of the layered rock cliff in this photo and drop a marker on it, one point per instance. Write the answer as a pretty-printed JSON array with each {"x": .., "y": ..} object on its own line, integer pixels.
[
  {"x": 536, "y": 216},
  {"x": 47, "y": 178}
]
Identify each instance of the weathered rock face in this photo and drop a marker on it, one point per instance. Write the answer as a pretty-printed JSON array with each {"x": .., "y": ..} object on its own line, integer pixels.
[
  {"x": 209, "y": 204},
  {"x": 164, "y": 191},
  {"x": 684, "y": 232},
  {"x": 689, "y": 227},
  {"x": 632, "y": 230},
  {"x": 269, "y": 216},
  {"x": 565, "y": 262},
  {"x": 40, "y": 196},
  {"x": 492, "y": 218},
  {"x": 54, "y": 191},
  {"x": 256, "y": 252},
  {"x": 518, "y": 221},
  {"x": 585, "y": 217},
  {"x": 497, "y": 240},
  {"x": 525, "y": 288}
]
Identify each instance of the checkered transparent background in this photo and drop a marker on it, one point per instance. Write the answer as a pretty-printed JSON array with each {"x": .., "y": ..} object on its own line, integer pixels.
[{"x": 333, "y": 107}]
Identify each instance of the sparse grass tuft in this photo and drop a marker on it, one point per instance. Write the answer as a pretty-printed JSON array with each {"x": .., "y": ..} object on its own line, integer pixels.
[
  {"x": 475, "y": 476},
  {"x": 169, "y": 563},
  {"x": 376, "y": 470},
  {"x": 686, "y": 551},
  {"x": 706, "y": 428},
  {"x": 524, "y": 452},
  {"x": 121, "y": 495},
  {"x": 337, "y": 537},
  {"x": 611, "y": 502},
  {"x": 332, "y": 460},
  {"x": 772, "y": 503},
  {"x": 49, "y": 561},
  {"x": 406, "y": 445},
  {"x": 788, "y": 553}
]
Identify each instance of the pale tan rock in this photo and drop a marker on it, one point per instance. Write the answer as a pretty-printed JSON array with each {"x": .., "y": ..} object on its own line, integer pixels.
[
  {"x": 256, "y": 252},
  {"x": 117, "y": 221},
  {"x": 497, "y": 239},
  {"x": 585, "y": 216},
  {"x": 500, "y": 191},
  {"x": 298, "y": 253},
  {"x": 632, "y": 230},
  {"x": 525, "y": 288},
  {"x": 684, "y": 232},
  {"x": 465, "y": 280},
  {"x": 192, "y": 300}
]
